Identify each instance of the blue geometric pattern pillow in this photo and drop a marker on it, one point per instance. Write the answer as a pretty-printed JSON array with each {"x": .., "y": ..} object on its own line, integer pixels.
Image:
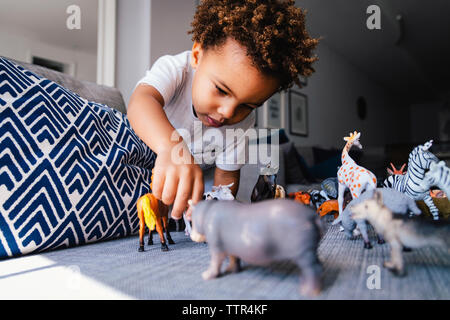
[{"x": 71, "y": 171}]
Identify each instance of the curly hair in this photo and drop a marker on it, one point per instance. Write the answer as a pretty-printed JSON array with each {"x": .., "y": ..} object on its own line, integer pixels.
[{"x": 272, "y": 31}]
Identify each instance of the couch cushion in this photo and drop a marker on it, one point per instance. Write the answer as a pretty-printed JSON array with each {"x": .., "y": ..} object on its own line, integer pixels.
[
  {"x": 292, "y": 168},
  {"x": 88, "y": 90},
  {"x": 71, "y": 171}
]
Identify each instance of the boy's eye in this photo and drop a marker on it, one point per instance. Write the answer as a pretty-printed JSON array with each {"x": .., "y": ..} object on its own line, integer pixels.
[{"x": 221, "y": 91}]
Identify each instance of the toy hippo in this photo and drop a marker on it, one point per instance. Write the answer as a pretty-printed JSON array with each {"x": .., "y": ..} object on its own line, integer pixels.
[
  {"x": 395, "y": 200},
  {"x": 260, "y": 233}
]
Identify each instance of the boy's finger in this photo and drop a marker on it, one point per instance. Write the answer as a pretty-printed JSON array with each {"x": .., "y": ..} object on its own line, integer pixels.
[
  {"x": 198, "y": 189},
  {"x": 157, "y": 183},
  {"x": 189, "y": 213},
  {"x": 184, "y": 193},
  {"x": 170, "y": 188}
]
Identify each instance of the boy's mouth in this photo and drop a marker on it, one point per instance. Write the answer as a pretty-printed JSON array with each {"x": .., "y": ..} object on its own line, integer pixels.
[{"x": 213, "y": 122}]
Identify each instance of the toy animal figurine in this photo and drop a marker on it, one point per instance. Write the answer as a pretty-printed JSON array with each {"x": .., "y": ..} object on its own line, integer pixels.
[
  {"x": 439, "y": 176},
  {"x": 420, "y": 160},
  {"x": 153, "y": 213},
  {"x": 260, "y": 233},
  {"x": 350, "y": 175},
  {"x": 279, "y": 192},
  {"x": 301, "y": 197},
  {"x": 395, "y": 200},
  {"x": 400, "y": 231},
  {"x": 265, "y": 188},
  {"x": 330, "y": 186},
  {"x": 395, "y": 171},
  {"x": 436, "y": 193},
  {"x": 219, "y": 193},
  {"x": 318, "y": 197},
  {"x": 329, "y": 206}
]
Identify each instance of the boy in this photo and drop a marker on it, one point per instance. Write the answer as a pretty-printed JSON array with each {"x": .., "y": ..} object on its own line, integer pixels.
[{"x": 244, "y": 51}]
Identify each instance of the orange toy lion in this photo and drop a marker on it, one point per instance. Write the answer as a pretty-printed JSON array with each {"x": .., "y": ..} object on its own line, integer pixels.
[
  {"x": 327, "y": 207},
  {"x": 301, "y": 196},
  {"x": 153, "y": 214}
]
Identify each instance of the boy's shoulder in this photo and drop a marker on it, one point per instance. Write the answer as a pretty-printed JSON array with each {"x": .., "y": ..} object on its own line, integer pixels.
[{"x": 180, "y": 60}]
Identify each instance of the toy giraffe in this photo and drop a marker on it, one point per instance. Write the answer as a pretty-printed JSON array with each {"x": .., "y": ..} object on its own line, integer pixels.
[{"x": 352, "y": 176}]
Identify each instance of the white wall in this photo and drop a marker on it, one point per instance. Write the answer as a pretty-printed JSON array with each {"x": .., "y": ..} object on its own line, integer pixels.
[
  {"x": 146, "y": 30},
  {"x": 332, "y": 92},
  {"x": 133, "y": 44},
  {"x": 171, "y": 20},
  {"x": 21, "y": 47}
]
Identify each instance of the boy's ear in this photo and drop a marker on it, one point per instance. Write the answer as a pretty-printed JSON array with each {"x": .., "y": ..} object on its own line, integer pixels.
[{"x": 196, "y": 54}]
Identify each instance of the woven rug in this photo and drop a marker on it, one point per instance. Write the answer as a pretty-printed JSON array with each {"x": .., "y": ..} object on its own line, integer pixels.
[{"x": 176, "y": 274}]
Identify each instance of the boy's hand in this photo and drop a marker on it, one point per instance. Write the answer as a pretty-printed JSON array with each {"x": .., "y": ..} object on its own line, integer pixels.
[{"x": 177, "y": 179}]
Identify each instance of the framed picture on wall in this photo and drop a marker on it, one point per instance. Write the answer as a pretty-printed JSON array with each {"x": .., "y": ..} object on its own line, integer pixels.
[
  {"x": 298, "y": 114},
  {"x": 273, "y": 112}
]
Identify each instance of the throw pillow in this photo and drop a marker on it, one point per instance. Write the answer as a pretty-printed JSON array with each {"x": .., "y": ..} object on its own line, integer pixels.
[{"x": 71, "y": 171}]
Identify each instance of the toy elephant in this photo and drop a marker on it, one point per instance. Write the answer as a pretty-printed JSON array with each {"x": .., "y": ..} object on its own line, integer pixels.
[
  {"x": 260, "y": 233},
  {"x": 395, "y": 200}
]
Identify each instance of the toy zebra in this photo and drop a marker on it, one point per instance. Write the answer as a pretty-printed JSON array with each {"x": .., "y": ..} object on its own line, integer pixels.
[
  {"x": 439, "y": 176},
  {"x": 419, "y": 160}
]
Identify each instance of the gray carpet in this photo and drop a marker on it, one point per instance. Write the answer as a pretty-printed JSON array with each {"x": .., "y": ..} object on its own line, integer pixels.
[{"x": 176, "y": 274}]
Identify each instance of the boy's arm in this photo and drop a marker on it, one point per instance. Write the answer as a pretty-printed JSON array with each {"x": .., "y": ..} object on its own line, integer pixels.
[
  {"x": 173, "y": 182},
  {"x": 226, "y": 177}
]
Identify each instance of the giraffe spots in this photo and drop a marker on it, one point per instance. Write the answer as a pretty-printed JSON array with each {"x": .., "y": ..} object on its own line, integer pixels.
[
  {"x": 351, "y": 168},
  {"x": 359, "y": 185},
  {"x": 354, "y": 195},
  {"x": 374, "y": 180}
]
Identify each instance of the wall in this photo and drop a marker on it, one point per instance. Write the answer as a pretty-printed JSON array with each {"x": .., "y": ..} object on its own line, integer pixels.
[
  {"x": 147, "y": 30},
  {"x": 20, "y": 47},
  {"x": 133, "y": 44},
  {"x": 426, "y": 125},
  {"x": 170, "y": 23},
  {"x": 332, "y": 92}
]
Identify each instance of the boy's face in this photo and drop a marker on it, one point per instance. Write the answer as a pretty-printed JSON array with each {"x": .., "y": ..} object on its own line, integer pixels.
[{"x": 226, "y": 86}]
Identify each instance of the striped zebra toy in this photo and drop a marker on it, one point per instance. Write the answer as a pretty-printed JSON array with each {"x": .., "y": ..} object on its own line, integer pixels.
[
  {"x": 439, "y": 176},
  {"x": 420, "y": 159}
]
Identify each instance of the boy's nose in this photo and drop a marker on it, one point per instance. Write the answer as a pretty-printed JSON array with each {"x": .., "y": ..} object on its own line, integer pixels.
[{"x": 226, "y": 110}]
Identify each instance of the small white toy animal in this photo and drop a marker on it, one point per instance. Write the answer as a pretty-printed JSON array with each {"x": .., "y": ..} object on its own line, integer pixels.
[{"x": 439, "y": 176}]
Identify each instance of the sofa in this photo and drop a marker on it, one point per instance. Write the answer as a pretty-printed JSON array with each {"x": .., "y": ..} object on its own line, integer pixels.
[{"x": 114, "y": 269}]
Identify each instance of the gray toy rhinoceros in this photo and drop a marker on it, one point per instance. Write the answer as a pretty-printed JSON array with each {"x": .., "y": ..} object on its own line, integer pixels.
[
  {"x": 395, "y": 200},
  {"x": 260, "y": 233}
]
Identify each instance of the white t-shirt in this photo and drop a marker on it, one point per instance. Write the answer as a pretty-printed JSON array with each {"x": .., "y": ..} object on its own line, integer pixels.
[{"x": 172, "y": 77}]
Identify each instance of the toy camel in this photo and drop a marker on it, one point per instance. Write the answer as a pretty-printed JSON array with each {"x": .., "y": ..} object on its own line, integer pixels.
[
  {"x": 350, "y": 175},
  {"x": 153, "y": 213}
]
